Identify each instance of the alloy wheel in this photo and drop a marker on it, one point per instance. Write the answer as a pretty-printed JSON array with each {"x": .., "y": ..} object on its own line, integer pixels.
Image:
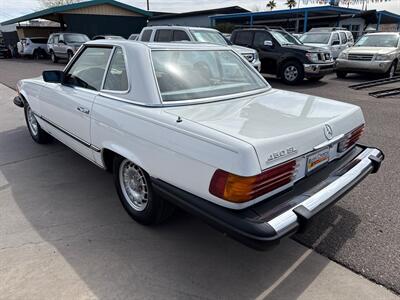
[{"x": 291, "y": 73}]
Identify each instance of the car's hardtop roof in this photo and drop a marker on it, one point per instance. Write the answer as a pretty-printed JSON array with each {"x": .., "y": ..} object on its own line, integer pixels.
[
  {"x": 180, "y": 27},
  {"x": 160, "y": 46}
]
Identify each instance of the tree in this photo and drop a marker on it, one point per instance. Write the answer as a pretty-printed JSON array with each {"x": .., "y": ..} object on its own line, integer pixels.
[
  {"x": 271, "y": 4},
  {"x": 291, "y": 3},
  {"x": 51, "y": 3}
]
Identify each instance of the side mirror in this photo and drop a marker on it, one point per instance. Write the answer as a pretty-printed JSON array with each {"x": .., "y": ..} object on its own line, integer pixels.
[
  {"x": 53, "y": 76},
  {"x": 268, "y": 43}
]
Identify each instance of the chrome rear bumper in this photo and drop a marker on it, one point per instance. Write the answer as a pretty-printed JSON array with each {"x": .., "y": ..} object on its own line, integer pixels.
[{"x": 265, "y": 223}]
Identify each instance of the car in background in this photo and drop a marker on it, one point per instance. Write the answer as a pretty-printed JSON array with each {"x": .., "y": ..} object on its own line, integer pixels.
[
  {"x": 64, "y": 45},
  {"x": 196, "y": 34},
  {"x": 4, "y": 51},
  {"x": 330, "y": 38},
  {"x": 133, "y": 36},
  {"x": 108, "y": 37},
  {"x": 283, "y": 55},
  {"x": 373, "y": 53},
  {"x": 34, "y": 47}
]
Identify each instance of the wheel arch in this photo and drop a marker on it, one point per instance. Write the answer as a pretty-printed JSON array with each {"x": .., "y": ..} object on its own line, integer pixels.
[
  {"x": 109, "y": 152},
  {"x": 285, "y": 60}
]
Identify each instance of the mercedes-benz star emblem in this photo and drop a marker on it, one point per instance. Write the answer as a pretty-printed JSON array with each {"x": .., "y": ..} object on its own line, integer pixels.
[{"x": 328, "y": 131}]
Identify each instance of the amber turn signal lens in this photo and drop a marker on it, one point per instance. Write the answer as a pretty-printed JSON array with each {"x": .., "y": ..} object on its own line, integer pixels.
[{"x": 240, "y": 189}]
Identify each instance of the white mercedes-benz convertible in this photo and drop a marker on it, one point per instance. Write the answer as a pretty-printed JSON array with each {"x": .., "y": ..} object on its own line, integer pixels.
[{"x": 196, "y": 126}]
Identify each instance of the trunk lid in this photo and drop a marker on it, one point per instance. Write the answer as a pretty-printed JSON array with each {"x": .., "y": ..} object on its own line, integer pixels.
[{"x": 276, "y": 122}]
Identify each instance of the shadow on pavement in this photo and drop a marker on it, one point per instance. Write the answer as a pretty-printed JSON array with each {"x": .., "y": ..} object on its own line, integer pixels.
[{"x": 72, "y": 205}]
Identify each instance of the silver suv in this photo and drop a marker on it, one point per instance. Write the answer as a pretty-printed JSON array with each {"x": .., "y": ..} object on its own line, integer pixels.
[
  {"x": 373, "y": 53},
  {"x": 196, "y": 34},
  {"x": 64, "y": 45},
  {"x": 330, "y": 38}
]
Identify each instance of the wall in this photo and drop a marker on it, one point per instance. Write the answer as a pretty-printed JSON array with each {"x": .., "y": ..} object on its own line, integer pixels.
[
  {"x": 92, "y": 25},
  {"x": 196, "y": 21}
]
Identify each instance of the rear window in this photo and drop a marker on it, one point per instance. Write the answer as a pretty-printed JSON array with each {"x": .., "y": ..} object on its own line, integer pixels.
[
  {"x": 180, "y": 35},
  {"x": 198, "y": 74},
  {"x": 343, "y": 37},
  {"x": 163, "y": 35},
  {"x": 244, "y": 38},
  {"x": 146, "y": 35},
  {"x": 39, "y": 40}
]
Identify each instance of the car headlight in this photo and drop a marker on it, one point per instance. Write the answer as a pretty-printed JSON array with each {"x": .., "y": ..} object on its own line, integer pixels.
[
  {"x": 382, "y": 57},
  {"x": 312, "y": 56},
  {"x": 343, "y": 55},
  {"x": 249, "y": 56}
]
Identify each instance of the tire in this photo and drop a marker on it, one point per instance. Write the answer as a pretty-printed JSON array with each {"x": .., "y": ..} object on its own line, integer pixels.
[
  {"x": 37, "y": 133},
  {"x": 392, "y": 70},
  {"x": 315, "y": 79},
  {"x": 69, "y": 56},
  {"x": 341, "y": 74},
  {"x": 139, "y": 202},
  {"x": 36, "y": 55},
  {"x": 53, "y": 57},
  {"x": 292, "y": 73}
]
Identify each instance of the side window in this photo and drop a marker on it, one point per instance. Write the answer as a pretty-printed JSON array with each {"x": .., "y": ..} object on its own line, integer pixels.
[
  {"x": 163, "y": 35},
  {"x": 335, "y": 39},
  {"x": 50, "y": 41},
  {"x": 244, "y": 38},
  {"x": 180, "y": 35},
  {"x": 116, "y": 78},
  {"x": 146, "y": 35},
  {"x": 88, "y": 70},
  {"x": 260, "y": 37},
  {"x": 349, "y": 37},
  {"x": 343, "y": 37},
  {"x": 56, "y": 37}
]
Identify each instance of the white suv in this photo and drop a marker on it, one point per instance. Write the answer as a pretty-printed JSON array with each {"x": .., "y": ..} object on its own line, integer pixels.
[
  {"x": 331, "y": 38},
  {"x": 34, "y": 47},
  {"x": 196, "y": 34}
]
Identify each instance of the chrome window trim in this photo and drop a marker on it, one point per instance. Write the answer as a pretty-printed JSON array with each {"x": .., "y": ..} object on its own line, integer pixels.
[
  {"x": 78, "y": 53},
  {"x": 209, "y": 99},
  {"x": 102, "y": 89}
]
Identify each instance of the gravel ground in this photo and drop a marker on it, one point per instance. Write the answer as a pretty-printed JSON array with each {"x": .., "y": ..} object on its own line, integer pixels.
[{"x": 362, "y": 230}]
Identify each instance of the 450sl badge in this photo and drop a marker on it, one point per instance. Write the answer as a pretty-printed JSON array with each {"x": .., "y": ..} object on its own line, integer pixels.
[{"x": 282, "y": 153}]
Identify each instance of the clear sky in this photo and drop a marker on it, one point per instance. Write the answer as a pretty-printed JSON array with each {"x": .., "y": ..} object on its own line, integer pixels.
[{"x": 13, "y": 8}]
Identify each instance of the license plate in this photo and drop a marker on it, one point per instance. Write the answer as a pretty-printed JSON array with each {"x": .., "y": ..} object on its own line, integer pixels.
[{"x": 317, "y": 159}]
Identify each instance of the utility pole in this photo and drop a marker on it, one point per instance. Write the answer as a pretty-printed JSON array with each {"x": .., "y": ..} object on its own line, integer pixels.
[{"x": 148, "y": 5}]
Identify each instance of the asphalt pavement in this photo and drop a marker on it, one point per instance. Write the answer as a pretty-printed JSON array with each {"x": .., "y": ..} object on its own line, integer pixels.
[{"x": 62, "y": 225}]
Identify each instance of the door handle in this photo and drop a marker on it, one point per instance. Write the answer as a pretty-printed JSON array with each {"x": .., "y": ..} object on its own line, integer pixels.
[{"x": 83, "y": 109}]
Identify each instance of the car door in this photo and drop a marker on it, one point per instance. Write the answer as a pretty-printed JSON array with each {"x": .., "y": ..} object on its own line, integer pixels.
[
  {"x": 66, "y": 108},
  {"x": 55, "y": 44},
  {"x": 343, "y": 41},
  {"x": 265, "y": 44},
  {"x": 335, "y": 44}
]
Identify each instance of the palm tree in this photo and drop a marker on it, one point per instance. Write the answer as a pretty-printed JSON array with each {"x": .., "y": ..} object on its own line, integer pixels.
[
  {"x": 291, "y": 3},
  {"x": 271, "y": 4}
]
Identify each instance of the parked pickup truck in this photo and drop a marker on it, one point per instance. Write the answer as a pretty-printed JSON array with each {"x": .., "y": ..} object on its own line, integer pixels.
[{"x": 196, "y": 126}]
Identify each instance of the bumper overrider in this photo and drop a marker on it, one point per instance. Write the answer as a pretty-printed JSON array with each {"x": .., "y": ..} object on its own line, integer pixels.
[
  {"x": 315, "y": 70},
  {"x": 263, "y": 225}
]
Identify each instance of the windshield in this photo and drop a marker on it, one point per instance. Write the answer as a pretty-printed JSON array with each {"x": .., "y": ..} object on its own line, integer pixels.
[
  {"x": 315, "y": 38},
  {"x": 285, "y": 38},
  {"x": 378, "y": 40},
  {"x": 195, "y": 74},
  {"x": 208, "y": 36},
  {"x": 75, "y": 38}
]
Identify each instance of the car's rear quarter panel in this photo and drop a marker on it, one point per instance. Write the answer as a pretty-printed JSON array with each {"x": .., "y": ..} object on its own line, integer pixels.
[{"x": 184, "y": 154}]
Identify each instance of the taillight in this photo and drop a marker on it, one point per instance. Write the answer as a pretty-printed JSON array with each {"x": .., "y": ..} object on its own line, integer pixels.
[
  {"x": 240, "y": 189},
  {"x": 351, "y": 138}
]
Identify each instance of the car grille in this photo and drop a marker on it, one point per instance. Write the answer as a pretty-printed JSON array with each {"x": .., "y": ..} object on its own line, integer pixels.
[
  {"x": 324, "y": 56},
  {"x": 361, "y": 57}
]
